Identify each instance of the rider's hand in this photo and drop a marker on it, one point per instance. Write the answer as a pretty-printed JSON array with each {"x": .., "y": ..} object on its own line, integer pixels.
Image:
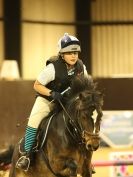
[{"x": 56, "y": 95}]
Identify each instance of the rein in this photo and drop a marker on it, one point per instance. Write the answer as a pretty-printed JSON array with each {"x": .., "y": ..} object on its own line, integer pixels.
[
  {"x": 71, "y": 120},
  {"x": 78, "y": 130}
]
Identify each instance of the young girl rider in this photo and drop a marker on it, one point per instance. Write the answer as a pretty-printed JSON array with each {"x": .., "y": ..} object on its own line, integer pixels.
[{"x": 53, "y": 80}]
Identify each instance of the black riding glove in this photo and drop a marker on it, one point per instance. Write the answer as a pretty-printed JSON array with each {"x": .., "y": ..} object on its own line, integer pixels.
[{"x": 56, "y": 95}]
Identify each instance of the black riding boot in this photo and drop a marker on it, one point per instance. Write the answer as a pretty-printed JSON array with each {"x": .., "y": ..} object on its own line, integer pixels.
[{"x": 23, "y": 162}]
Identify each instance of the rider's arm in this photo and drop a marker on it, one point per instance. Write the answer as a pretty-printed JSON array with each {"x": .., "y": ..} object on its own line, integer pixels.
[
  {"x": 45, "y": 77},
  {"x": 41, "y": 89}
]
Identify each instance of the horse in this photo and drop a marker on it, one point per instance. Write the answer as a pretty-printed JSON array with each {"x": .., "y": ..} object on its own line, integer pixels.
[{"x": 65, "y": 149}]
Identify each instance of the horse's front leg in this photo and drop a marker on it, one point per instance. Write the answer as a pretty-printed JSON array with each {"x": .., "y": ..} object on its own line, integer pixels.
[
  {"x": 70, "y": 167},
  {"x": 65, "y": 166},
  {"x": 87, "y": 166},
  {"x": 87, "y": 171}
]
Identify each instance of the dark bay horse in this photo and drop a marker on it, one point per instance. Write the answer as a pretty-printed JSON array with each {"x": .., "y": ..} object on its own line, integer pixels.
[{"x": 71, "y": 138}]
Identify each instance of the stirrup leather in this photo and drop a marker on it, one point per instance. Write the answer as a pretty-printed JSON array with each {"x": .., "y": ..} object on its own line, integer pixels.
[{"x": 20, "y": 164}]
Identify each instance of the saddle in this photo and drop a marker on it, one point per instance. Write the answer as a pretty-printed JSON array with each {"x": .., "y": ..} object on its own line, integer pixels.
[{"x": 41, "y": 135}]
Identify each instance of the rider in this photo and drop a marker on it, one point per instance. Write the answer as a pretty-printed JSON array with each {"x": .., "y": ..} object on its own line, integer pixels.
[{"x": 53, "y": 80}]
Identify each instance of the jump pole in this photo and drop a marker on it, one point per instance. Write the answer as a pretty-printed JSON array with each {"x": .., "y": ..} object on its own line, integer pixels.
[{"x": 111, "y": 163}]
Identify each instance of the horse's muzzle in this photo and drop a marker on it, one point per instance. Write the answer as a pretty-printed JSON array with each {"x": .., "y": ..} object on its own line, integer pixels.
[{"x": 92, "y": 141}]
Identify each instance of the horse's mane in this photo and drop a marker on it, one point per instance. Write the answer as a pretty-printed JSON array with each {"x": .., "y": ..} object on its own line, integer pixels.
[
  {"x": 80, "y": 84},
  {"x": 82, "y": 95}
]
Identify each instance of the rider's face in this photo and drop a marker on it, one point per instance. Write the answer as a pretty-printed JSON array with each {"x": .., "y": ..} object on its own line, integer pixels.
[{"x": 70, "y": 57}]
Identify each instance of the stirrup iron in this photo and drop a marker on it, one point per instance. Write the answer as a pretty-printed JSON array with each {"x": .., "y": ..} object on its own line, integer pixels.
[{"x": 20, "y": 163}]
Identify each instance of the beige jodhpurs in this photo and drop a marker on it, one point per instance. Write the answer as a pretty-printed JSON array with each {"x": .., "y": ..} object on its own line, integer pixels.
[{"x": 40, "y": 110}]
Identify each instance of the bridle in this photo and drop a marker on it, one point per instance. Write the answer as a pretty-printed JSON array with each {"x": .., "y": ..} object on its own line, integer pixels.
[{"x": 79, "y": 135}]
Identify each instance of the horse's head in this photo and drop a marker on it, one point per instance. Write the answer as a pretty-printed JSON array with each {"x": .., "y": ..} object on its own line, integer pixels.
[
  {"x": 91, "y": 102},
  {"x": 85, "y": 99}
]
